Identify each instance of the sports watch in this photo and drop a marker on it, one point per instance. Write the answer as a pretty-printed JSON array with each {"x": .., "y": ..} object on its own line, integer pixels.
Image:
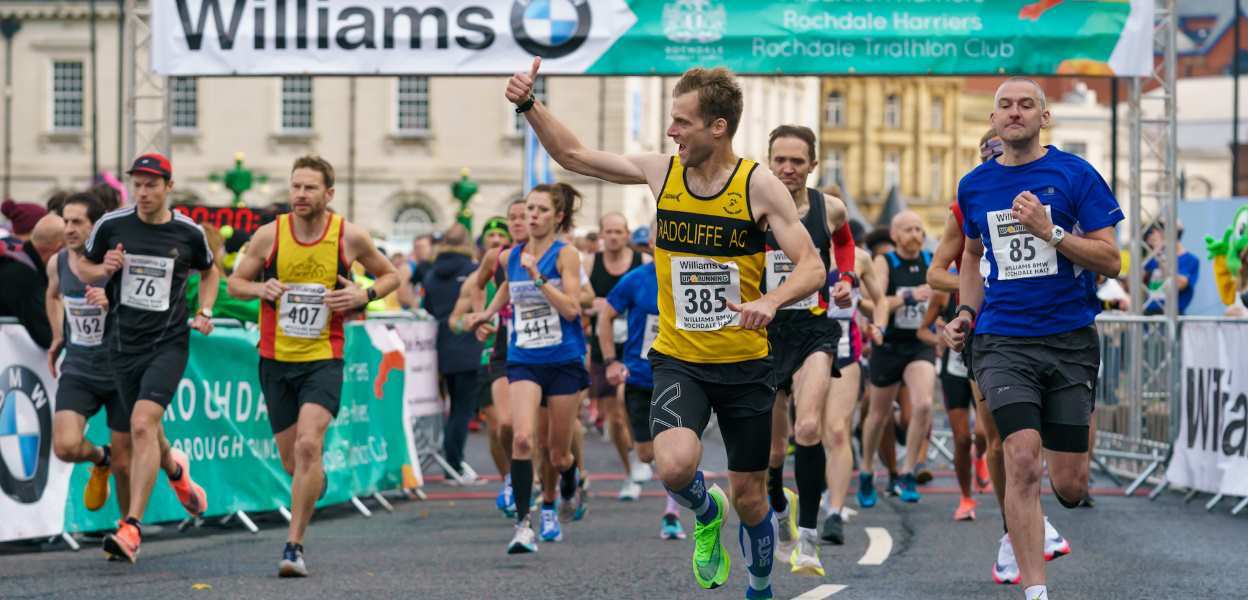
[{"x": 1059, "y": 234}]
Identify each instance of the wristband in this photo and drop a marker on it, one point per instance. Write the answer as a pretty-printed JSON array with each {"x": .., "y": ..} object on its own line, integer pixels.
[
  {"x": 524, "y": 107},
  {"x": 851, "y": 277},
  {"x": 974, "y": 314}
]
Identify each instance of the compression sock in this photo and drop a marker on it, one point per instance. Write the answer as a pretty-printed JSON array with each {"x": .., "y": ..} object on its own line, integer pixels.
[
  {"x": 522, "y": 486},
  {"x": 567, "y": 483},
  {"x": 775, "y": 489},
  {"x": 758, "y": 546},
  {"x": 694, "y": 497},
  {"x": 809, "y": 467}
]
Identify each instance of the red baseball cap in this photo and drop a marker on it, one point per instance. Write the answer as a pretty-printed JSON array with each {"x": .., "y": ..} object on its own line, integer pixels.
[{"x": 154, "y": 164}]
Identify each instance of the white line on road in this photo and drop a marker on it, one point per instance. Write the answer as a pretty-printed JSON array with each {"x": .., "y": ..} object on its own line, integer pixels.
[
  {"x": 821, "y": 592},
  {"x": 878, "y": 548}
]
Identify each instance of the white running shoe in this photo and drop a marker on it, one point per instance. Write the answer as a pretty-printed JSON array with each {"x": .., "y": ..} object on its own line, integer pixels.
[
  {"x": 524, "y": 541},
  {"x": 1055, "y": 546},
  {"x": 630, "y": 491},
  {"x": 786, "y": 525},
  {"x": 641, "y": 472},
  {"x": 1005, "y": 570},
  {"x": 805, "y": 557}
]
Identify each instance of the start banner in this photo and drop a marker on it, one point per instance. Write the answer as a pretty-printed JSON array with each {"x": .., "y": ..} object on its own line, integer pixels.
[
  {"x": 1211, "y": 445},
  {"x": 654, "y": 37}
]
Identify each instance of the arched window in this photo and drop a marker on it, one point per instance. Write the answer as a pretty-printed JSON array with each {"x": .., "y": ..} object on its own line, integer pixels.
[{"x": 412, "y": 221}]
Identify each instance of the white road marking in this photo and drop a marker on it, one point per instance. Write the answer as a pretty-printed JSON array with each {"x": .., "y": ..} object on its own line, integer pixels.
[
  {"x": 821, "y": 592},
  {"x": 878, "y": 548}
]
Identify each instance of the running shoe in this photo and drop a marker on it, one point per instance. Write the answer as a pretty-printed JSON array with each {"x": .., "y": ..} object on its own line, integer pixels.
[
  {"x": 1005, "y": 570},
  {"x": 192, "y": 497},
  {"x": 867, "y": 496},
  {"x": 630, "y": 491},
  {"x": 922, "y": 474},
  {"x": 291, "y": 564},
  {"x": 124, "y": 543},
  {"x": 506, "y": 500},
  {"x": 641, "y": 472},
  {"x": 805, "y": 557},
  {"x": 909, "y": 488},
  {"x": 983, "y": 478},
  {"x": 524, "y": 541},
  {"x": 894, "y": 485},
  {"x": 1087, "y": 502},
  {"x": 551, "y": 532},
  {"x": 1055, "y": 546},
  {"x": 966, "y": 509},
  {"x": 834, "y": 529},
  {"x": 582, "y": 501},
  {"x": 786, "y": 524},
  {"x": 711, "y": 562},
  {"x": 671, "y": 529},
  {"x": 753, "y": 594},
  {"x": 96, "y": 493}
]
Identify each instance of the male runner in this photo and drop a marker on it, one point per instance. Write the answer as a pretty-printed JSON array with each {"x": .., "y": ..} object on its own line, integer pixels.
[
  {"x": 300, "y": 267},
  {"x": 145, "y": 253},
  {"x": 636, "y": 295},
  {"x": 901, "y": 357},
  {"x": 605, "y": 269},
  {"x": 803, "y": 346},
  {"x": 712, "y": 351},
  {"x": 1044, "y": 219},
  {"x": 85, "y": 383}
]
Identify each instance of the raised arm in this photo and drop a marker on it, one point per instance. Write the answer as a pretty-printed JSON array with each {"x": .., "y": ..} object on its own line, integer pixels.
[{"x": 938, "y": 275}]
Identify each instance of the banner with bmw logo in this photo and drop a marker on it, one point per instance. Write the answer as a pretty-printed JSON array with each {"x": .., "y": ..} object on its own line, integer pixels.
[
  {"x": 33, "y": 482},
  {"x": 648, "y": 37}
]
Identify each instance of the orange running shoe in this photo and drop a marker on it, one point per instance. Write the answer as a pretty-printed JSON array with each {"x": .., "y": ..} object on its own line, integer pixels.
[
  {"x": 982, "y": 477},
  {"x": 96, "y": 493},
  {"x": 192, "y": 497},
  {"x": 124, "y": 543},
  {"x": 966, "y": 509}
]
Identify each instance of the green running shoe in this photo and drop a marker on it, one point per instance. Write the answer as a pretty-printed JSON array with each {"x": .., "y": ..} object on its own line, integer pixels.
[{"x": 710, "y": 559}]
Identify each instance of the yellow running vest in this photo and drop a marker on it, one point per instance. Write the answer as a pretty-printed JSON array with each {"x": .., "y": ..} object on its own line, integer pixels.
[
  {"x": 708, "y": 252},
  {"x": 300, "y": 327}
]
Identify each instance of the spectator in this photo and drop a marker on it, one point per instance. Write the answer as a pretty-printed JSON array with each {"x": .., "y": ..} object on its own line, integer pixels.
[
  {"x": 56, "y": 201},
  {"x": 1188, "y": 270},
  {"x": 879, "y": 242},
  {"x": 419, "y": 263},
  {"x": 22, "y": 218},
  {"x": 226, "y": 306},
  {"x": 23, "y": 271},
  {"x": 1240, "y": 307},
  {"x": 459, "y": 352},
  {"x": 107, "y": 195}
]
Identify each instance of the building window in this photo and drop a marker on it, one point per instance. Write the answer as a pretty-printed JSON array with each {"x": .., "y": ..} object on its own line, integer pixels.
[
  {"x": 936, "y": 174},
  {"x": 539, "y": 92},
  {"x": 1079, "y": 149},
  {"x": 412, "y": 222},
  {"x": 184, "y": 102},
  {"x": 834, "y": 166},
  {"x": 413, "y": 104},
  {"x": 835, "y": 109},
  {"x": 297, "y": 103},
  {"x": 892, "y": 111},
  {"x": 67, "y": 95},
  {"x": 938, "y": 113},
  {"x": 892, "y": 169}
]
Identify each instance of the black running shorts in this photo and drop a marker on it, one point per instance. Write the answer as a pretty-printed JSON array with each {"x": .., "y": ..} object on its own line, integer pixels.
[
  {"x": 287, "y": 386},
  {"x": 485, "y": 383},
  {"x": 87, "y": 396},
  {"x": 740, "y": 394},
  {"x": 792, "y": 341},
  {"x": 888, "y": 362},
  {"x": 637, "y": 403},
  {"x": 153, "y": 375}
]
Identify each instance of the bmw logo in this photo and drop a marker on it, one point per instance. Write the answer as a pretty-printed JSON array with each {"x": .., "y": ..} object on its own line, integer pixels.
[
  {"x": 25, "y": 434},
  {"x": 550, "y": 28}
]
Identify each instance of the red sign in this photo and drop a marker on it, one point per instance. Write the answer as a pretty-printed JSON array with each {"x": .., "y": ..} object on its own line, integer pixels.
[{"x": 241, "y": 219}]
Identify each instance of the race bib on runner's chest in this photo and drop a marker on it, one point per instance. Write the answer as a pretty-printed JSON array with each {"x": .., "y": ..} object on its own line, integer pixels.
[
  {"x": 1019, "y": 255},
  {"x": 701, "y": 289},
  {"x": 145, "y": 282},
  {"x": 909, "y": 316},
  {"x": 303, "y": 310},
  {"x": 86, "y": 322},
  {"x": 779, "y": 267},
  {"x": 534, "y": 320},
  {"x": 652, "y": 333}
]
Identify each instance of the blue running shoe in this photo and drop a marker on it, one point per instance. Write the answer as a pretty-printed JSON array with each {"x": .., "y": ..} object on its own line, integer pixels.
[
  {"x": 506, "y": 500},
  {"x": 671, "y": 529},
  {"x": 909, "y": 488},
  {"x": 753, "y": 594},
  {"x": 867, "y": 497},
  {"x": 551, "y": 532}
]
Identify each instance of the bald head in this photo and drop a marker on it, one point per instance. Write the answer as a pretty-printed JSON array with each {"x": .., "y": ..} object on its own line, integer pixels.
[
  {"x": 1018, "y": 85},
  {"x": 48, "y": 236},
  {"x": 613, "y": 229},
  {"x": 906, "y": 230}
]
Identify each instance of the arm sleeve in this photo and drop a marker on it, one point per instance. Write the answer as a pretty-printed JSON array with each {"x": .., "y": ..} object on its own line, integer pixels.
[
  {"x": 1097, "y": 207},
  {"x": 843, "y": 248}
]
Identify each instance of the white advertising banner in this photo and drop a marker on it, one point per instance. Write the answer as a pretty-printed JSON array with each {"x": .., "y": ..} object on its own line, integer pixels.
[
  {"x": 33, "y": 482},
  {"x": 1211, "y": 445}
]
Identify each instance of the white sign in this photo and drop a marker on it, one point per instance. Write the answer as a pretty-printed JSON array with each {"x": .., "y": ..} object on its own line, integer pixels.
[
  {"x": 33, "y": 482},
  {"x": 1211, "y": 445}
]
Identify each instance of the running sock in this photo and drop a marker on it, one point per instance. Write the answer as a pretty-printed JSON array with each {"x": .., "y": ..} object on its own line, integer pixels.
[
  {"x": 695, "y": 498},
  {"x": 522, "y": 486},
  {"x": 1037, "y": 592},
  {"x": 107, "y": 460},
  {"x": 567, "y": 483},
  {"x": 758, "y": 546},
  {"x": 671, "y": 507},
  {"x": 809, "y": 468},
  {"x": 548, "y": 505},
  {"x": 775, "y": 489}
]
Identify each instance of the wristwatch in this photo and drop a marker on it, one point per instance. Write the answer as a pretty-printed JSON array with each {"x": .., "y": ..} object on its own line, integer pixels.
[
  {"x": 1059, "y": 234},
  {"x": 524, "y": 107},
  {"x": 205, "y": 313},
  {"x": 538, "y": 282}
]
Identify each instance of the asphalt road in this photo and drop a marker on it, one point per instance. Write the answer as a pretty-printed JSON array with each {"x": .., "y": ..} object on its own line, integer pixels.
[{"x": 452, "y": 546}]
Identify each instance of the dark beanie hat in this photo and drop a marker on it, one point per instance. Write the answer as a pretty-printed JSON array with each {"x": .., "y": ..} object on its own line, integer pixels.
[{"x": 23, "y": 215}]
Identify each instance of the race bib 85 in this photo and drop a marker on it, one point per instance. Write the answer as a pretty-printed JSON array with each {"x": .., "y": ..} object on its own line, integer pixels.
[{"x": 1019, "y": 254}]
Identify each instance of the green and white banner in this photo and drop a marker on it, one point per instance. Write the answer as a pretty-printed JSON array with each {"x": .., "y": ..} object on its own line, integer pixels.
[{"x": 647, "y": 37}]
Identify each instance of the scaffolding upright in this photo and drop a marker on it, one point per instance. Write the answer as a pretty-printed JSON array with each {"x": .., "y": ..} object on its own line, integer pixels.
[{"x": 147, "y": 98}]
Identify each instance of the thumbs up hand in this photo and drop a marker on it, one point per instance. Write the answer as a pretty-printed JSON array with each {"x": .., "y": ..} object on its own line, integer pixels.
[{"x": 520, "y": 86}]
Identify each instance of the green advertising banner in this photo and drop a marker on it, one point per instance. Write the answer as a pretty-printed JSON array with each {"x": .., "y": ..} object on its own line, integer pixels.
[
  {"x": 220, "y": 420},
  {"x": 647, "y": 37}
]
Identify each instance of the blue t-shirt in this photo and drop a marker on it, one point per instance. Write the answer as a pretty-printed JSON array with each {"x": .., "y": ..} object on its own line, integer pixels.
[
  {"x": 1189, "y": 267},
  {"x": 1031, "y": 289},
  {"x": 637, "y": 294}
]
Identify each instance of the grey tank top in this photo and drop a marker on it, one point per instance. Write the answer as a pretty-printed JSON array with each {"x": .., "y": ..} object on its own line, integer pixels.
[{"x": 85, "y": 352}]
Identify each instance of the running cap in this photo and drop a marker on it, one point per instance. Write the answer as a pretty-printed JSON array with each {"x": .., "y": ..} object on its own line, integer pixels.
[{"x": 153, "y": 164}]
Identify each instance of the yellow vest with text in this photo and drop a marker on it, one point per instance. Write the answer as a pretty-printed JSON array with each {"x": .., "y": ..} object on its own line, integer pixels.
[
  {"x": 294, "y": 262},
  {"x": 721, "y": 228}
]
